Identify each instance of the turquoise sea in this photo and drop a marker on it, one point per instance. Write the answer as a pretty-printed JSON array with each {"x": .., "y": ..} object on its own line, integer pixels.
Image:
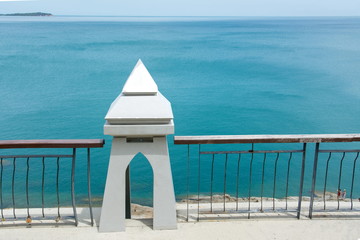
[{"x": 59, "y": 75}]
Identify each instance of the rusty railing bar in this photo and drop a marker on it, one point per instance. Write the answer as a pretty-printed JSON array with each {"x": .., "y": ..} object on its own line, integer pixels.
[
  {"x": 275, "y": 171},
  {"x": 198, "y": 211},
  {"x": 287, "y": 181},
  {"x": 340, "y": 174},
  {"x": 237, "y": 182},
  {"x": 211, "y": 182},
  {"x": 301, "y": 181},
  {"x": 326, "y": 176},
  {"x": 313, "y": 180},
  {"x": 262, "y": 182},
  {"x": 305, "y": 138},
  {"x": 1, "y": 184},
  {"x": 73, "y": 186},
  {"x": 89, "y": 186},
  {"x": 250, "y": 179},
  {"x": 225, "y": 169},
  {"x": 27, "y": 190},
  {"x": 339, "y": 151},
  {"x": 187, "y": 183},
  {"x": 50, "y": 143},
  {"x": 250, "y": 151},
  {"x": 13, "y": 187},
  {"x": 36, "y": 156},
  {"x": 42, "y": 187},
  {"x": 352, "y": 180},
  {"x": 57, "y": 188}
]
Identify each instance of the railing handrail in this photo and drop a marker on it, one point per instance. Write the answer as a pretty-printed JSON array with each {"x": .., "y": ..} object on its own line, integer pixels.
[
  {"x": 304, "y": 138},
  {"x": 52, "y": 143}
]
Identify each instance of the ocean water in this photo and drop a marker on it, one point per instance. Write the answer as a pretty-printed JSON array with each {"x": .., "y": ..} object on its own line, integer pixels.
[{"x": 58, "y": 76}]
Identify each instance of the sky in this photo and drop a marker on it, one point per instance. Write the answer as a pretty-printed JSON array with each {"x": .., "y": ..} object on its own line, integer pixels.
[{"x": 186, "y": 7}]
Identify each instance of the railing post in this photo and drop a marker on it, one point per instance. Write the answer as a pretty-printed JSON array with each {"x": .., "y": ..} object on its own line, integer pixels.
[
  {"x": 199, "y": 172},
  {"x": 128, "y": 194},
  {"x": 314, "y": 180},
  {"x": 13, "y": 187},
  {"x": 43, "y": 187},
  {"x": 89, "y": 186},
  {"x": 225, "y": 170},
  {"x": 211, "y": 182},
  {"x": 250, "y": 178},
  {"x": 287, "y": 181},
  {"x": 237, "y": 181},
  {"x": 274, "y": 190},
  {"x": 341, "y": 164},
  {"x": 352, "y": 180},
  {"x": 28, "y": 218},
  {"x": 73, "y": 186},
  {"x": 57, "y": 189},
  {"x": 301, "y": 180},
  {"x": 187, "y": 182},
  {"x": 1, "y": 190},
  {"x": 326, "y": 176}
]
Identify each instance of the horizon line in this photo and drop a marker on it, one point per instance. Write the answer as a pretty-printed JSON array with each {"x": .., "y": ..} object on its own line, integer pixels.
[
  {"x": 200, "y": 16},
  {"x": 173, "y": 16}
]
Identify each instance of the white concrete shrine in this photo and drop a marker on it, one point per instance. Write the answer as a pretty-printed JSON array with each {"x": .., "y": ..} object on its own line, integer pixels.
[{"x": 139, "y": 119}]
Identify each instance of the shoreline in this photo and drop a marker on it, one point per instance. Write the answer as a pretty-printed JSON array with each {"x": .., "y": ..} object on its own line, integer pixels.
[{"x": 258, "y": 207}]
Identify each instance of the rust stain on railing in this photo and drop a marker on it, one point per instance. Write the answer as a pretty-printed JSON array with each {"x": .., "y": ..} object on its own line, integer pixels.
[
  {"x": 305, "y": 138},
  {"x": 50, "y": 143}
]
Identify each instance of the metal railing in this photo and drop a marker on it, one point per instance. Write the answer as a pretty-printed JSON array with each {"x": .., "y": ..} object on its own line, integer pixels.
[
  {"x": 341, "y": 194},
  {"x": 253, "y": 173},
  {"x": 11, "y": 161}
]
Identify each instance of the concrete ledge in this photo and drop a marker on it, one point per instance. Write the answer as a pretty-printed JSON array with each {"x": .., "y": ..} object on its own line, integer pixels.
[
  {"x": 266, "y": 228},
  {"x": 139, "y": 130},
  {"x": 235, "y": 229}
]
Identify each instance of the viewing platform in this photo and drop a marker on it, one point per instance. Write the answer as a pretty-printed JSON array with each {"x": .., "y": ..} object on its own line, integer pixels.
[
  {"x": 233, "y": 186},
  {"x": 330, "y": 227}
]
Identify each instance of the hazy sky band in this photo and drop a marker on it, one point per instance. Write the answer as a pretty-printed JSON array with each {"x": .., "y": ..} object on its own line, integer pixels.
[{"x": 186, "y": 7}]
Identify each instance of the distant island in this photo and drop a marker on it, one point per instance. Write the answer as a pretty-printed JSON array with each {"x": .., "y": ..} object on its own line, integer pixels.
[{"x": 35, "y": 14}]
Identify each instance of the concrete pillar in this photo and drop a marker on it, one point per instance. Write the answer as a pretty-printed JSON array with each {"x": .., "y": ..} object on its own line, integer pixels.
[{"x": 139, "y": 119}]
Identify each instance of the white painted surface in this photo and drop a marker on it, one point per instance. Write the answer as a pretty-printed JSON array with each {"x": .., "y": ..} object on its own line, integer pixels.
[
  {"x": 139, "y": 130},
  {"x": 113, "y": 209},
  {"x": 257, "y": 229},
  {"x": 140, "y": 110},
  {"x": 140, "y": 82},
  {"x": 247, "y": 230}
]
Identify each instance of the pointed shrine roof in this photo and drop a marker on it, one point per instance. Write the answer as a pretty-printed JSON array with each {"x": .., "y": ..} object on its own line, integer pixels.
[
  {"x": 140, "y": 102},
  {"x": 140, "y": 82}
]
